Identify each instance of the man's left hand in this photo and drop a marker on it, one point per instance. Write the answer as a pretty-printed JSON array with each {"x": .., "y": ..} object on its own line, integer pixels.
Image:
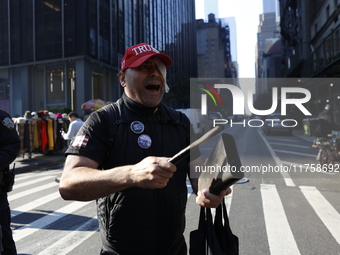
[{"x": 206, "y": 199}]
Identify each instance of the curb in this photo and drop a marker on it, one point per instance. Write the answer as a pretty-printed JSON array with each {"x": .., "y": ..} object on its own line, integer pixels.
[{"x": 34, "y": 164}]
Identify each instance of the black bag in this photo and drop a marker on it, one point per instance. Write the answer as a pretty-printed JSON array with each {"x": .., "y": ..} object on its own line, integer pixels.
[{"x": 213, "y": 238}]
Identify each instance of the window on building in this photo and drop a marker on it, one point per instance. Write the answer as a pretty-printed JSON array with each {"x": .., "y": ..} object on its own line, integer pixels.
[
  {"x": 93, "y": 28},
  {"x": 97, "y": 85},
  {"x": 4, "y": 56},
  {"x": 315, "y": 28},
  {"x": 114, "y": 32},
  {"x": 48, "y": 29},
  {"x": 69, "y": 28},
  {"x": 120, "y": 27},
  {"x": 327, "y": 12},
  {"x": 128, "y": 24},
  {"x": 4, "y": 90},
  {"x": 15, "y": 33},
  {"x": 104, "y": 30},
  {"x": 337, "y": 42},
  {"x": 55, "y": 80}
]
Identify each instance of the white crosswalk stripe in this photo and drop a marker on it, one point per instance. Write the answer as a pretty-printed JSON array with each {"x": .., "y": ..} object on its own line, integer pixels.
[
  {"x": 326, "y": 212},
  {"x": 31, "y": 191},
  {"x": 74, "y": 233},
  {"x": 72, "y": 240},
  {"x": 288, "y": 180},
  {"x": 296, "y": 153},
  {"x": 22, "y": 177},
  {"x": 46, "y": 220},
  {"x": 34, "y": 204},
  {"x": 277, "y": 225},
  {"x": 76, "y": 237},
  {"x": 28, "y": 183}
]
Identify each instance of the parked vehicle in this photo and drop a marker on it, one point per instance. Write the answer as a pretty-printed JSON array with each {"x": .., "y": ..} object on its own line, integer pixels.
[
  {"x": 277, "y": 123},
  {"x": 215, "y": 115},
  {"x": 329, "y": 150},
  {"x": 235, "y": 118}
]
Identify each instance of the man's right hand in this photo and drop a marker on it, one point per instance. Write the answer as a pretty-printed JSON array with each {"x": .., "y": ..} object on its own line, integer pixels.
[
  {"x": 152, "y": 172},
  {"x": 82, "y": 181}
]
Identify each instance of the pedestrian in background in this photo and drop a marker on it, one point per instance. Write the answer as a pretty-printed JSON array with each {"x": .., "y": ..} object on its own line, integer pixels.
[
  {"x": 59, "y": 126},
  {"x": 75, "y": 125},
  {"x": 9, "y": 150},
  {"x": 73, "y": 128},
  {"x": 141, "y": 196},
  {"x": 327, "y": 121}
]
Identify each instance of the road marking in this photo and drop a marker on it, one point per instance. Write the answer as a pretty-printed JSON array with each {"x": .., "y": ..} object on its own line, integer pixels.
[
  {"x": 286, "y": 176},
  {"x": 292, "y": 145},
  {"x": 289, "y": 163},
  {"x": 326, "y": 212},
  {"x": 280, "y": 236},
  {"x": 189, "y": 187},
  {"x": 228, "y": 199},
  {"x": 297, "y": 153},
  {"x": 27, "y": 183},
  {"x": 31, "y": 191},
  {"x": 34, "y": 204},
  {"x": 291, "y": 140},
  {"x": 24, "y": 176},
  {"x": 72, "y": 240},
  {"x": 41, "y": 223}
]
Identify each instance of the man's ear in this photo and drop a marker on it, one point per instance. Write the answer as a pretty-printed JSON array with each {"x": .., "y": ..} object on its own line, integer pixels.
[{"x": 121, "y": 77}]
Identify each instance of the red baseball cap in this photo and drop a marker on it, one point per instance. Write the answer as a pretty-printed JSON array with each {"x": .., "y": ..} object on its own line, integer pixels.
[{"x": 136, "y": 55}]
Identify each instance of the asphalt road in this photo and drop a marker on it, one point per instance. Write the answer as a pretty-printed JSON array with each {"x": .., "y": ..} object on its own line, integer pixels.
[{"x": 287, "y": 207}]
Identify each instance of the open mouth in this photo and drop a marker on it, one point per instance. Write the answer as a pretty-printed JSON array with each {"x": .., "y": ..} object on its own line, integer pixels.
[{"x": 152, "y": 87}]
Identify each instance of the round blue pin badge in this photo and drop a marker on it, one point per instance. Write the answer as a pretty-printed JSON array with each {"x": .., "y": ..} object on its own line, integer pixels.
[
  {"x": 144, "y": 141},
  {"x": 137, "y": 127}
]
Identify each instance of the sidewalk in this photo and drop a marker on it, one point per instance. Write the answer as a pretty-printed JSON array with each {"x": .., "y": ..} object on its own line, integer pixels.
[{"x": 38, "y": 161}]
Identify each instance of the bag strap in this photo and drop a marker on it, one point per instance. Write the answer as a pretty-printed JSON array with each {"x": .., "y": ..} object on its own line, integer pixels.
[
  {"x": 113, "y": 125},
  {"x": 213, "y": 240},
  {"x": 225, "y": 214},
  {"x": 230, "y": 244},
  {"x": 114, "y": 118},
  {"x": 201, "y": 221},
  {"x": 221, "y": 213}
]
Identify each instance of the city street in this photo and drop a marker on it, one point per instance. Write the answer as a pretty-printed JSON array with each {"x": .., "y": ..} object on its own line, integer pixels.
[{"x": 287, "y": 207}]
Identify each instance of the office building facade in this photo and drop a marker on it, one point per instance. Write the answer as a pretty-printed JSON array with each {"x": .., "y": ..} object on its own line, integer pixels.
[
  {"x": 213, "y": 50},
  {"x": 231, "y": 23},
  {"x": 272, "y": 6},
  {"x": 214, "y": 57},
  {"x": 310, "y": 32},
  {"x": 58, "y": 54},
  {"x": 212, "y": 7}
]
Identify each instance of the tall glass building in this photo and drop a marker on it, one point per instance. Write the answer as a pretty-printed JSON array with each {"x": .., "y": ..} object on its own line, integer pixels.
[{"x": 57, "y": 54}]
